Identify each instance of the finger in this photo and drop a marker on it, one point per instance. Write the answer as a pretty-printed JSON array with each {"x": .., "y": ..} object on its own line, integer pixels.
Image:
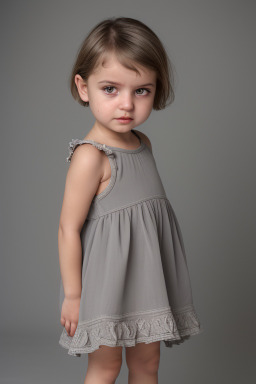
[
  {"x": 73, "y": 329},
  {"x": 62, "y": 321},
  {"x": 67, "y": 326}
]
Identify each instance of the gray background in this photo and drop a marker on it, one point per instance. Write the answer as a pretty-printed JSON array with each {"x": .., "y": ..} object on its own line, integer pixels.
[{"x": 204, "y": 145}]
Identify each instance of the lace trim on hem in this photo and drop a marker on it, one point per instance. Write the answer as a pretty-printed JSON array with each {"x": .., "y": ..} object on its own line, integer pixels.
[{"x": 171, "y": 327}]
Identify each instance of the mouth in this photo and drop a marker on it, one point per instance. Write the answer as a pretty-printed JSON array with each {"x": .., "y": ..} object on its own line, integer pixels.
[{"x": 124, "y": 118}]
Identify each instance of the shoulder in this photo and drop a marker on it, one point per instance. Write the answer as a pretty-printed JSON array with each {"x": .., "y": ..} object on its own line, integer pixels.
[
  {"x": 84, "y": 157},
  {"x": 144, "y": 138}
]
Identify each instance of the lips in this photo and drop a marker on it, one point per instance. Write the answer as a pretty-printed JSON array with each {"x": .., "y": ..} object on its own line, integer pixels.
[{"x": 124, "y": 118}]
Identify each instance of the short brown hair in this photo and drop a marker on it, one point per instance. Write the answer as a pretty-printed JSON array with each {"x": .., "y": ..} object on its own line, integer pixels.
[{"x": 132, "y": 42}]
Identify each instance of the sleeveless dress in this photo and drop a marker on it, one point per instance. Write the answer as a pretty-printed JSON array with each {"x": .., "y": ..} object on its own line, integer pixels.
[{"x": 135, "y": 280}]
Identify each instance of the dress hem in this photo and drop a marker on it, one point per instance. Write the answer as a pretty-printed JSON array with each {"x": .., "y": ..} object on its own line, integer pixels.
[{"x": 172, "y": 327}]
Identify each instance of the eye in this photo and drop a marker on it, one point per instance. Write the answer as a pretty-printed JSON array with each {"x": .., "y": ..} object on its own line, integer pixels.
[
  {"x": 145, "y": 89},
  {"x": 108, "y": 88}
]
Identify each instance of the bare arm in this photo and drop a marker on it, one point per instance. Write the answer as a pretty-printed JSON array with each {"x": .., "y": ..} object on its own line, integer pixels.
[{"x": 82, "y": 181}]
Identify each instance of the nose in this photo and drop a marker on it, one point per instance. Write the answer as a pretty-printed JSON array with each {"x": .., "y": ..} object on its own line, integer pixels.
[{"x": 126, "y": 101}]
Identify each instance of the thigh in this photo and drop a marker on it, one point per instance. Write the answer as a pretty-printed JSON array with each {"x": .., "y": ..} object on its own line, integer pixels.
[
  {"x": 106, "y": 356},
  {"x": 143, "y": 352}
]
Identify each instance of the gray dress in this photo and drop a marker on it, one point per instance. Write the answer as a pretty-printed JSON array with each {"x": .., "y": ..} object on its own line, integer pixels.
[{"x": 135, "y": 280}]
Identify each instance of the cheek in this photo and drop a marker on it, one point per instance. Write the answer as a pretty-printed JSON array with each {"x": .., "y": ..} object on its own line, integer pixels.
[
  {"x": 102, "y": 107},
  {"x": 147, "y": 104},
  {"x": 107, "y": 105}
]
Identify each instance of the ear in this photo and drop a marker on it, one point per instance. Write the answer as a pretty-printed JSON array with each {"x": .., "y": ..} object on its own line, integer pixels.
[{"x": 81, "y": 88}]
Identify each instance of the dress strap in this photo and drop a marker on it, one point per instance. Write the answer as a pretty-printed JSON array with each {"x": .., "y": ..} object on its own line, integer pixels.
[{"x": 75, "y": 142}]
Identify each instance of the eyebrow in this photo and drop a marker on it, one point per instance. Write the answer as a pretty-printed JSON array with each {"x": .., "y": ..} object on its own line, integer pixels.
[{"x": 113, "y": 82}]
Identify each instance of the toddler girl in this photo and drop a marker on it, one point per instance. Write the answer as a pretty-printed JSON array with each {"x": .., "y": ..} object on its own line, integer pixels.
[{"x": 125, "y": 280}]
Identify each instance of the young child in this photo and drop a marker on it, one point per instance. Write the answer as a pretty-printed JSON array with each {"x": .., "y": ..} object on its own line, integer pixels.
[{"x": 125, "y": 280}]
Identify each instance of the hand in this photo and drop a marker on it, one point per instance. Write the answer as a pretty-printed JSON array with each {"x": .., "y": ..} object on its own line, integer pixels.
[{"x": 70, "y": 314}]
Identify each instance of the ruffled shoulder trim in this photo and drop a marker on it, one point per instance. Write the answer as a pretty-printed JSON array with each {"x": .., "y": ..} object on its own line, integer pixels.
[{"x": 75, "y": 142}]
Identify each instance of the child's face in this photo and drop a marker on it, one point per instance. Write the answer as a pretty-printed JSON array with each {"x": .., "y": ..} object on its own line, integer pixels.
[{"x": 131, "y": 98}]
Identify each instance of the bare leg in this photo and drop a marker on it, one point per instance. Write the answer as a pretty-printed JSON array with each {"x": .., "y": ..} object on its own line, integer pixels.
[
  {"x": 104, "y": 365},
  {"x": 143, "y": 363}
]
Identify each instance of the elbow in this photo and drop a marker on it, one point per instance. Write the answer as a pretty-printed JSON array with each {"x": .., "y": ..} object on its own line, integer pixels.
[
  {"x": 61, "y": 229},
  {"x": 60, "y": 232},
  {"x": 65, "y": 230}
]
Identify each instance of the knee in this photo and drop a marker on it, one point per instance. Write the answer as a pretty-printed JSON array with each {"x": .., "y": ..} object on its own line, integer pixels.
[
  {"x": 146, "y": 365},
  {"x": 105, "y": 364},
  {"x": 112, "y": 370}
]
